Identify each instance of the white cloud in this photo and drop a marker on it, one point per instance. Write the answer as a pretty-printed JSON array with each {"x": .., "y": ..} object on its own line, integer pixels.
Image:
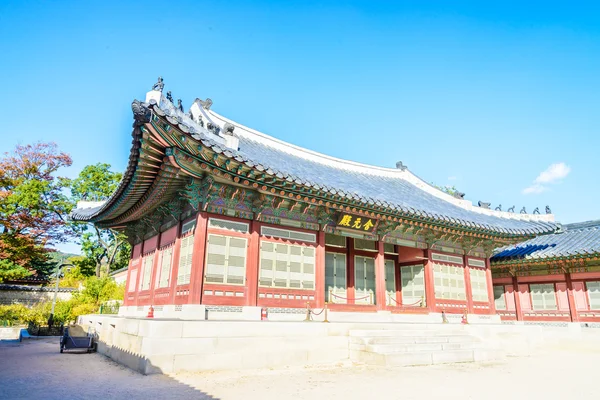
[{"x": 551, "y": 175}]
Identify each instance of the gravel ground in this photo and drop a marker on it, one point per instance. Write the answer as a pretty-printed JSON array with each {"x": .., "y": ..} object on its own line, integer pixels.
[{"x": 35, "y": 369}]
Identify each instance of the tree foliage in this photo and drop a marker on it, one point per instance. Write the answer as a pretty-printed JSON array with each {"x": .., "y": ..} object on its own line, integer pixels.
[
  {"x": 107, "y": 249},
  {"x": 33, "y": 207}
]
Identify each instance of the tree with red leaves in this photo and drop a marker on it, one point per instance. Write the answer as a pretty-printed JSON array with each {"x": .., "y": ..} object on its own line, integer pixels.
[{"x": 33, "y": 207}]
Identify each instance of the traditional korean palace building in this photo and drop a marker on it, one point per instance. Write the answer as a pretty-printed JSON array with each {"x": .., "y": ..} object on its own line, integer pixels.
[
  {"x": 229, "y": 218},
  {"x": 550, "y": 278}
]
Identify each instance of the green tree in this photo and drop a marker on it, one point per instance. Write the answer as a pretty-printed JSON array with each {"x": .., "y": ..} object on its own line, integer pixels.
[
  {"x": 33, "y": 208},
  {"x": 107, "y": 249}
]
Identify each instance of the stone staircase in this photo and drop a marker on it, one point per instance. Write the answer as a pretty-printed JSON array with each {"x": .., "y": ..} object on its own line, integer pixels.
[{"x": 414, "y": 345}]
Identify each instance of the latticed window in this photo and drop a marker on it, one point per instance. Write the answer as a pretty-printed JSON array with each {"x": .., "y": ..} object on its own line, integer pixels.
[
  {"x": 543, "y": 296},
  {"x": 390, "y": 282},
  {"x": 499, "y": 299},
  {"x": 593, "y": 289},
  {"x": 364, "y": 244},
  {"x": 287, "y": 266},
  {"x": 225, "y": 260},
  {"x": 478, "y": 284},
  {"x": 185, "y": 260},
  {"x": 146, "y": 272},
  {"x": 164, "y": 273},
  {"x": 335, "y": 277},
  {"x": 413, "y": 283},
  {"x": 449, "y": 282},
  {"x": 335, "y": 240},
  {"x": 364, "y": 280}
]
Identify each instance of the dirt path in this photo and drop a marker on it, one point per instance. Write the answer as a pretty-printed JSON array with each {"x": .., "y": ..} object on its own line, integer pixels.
[{"x": 36, "y": 369}]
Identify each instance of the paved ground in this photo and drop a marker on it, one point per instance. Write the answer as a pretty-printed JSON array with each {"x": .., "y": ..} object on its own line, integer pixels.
[{"x": 35, "y": 369}]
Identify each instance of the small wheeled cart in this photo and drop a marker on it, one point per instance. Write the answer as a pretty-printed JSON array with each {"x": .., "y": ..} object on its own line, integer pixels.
[{"x": 68, "y": 342}]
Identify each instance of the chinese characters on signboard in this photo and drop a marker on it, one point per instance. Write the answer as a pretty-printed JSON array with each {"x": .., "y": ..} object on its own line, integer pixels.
[{"x": 356, "y": 222}]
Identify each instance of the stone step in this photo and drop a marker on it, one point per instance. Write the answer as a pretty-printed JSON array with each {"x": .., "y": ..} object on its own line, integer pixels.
[
  {"x": 412, "y": 348},
  {"x": 402, "y": 332},
  {"x": 425, "y": 357},
  {"x": 413, "y": 339}
]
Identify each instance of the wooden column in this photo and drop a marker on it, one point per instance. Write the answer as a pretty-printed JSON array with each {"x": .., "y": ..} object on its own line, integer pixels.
[
  {"x": 490, "y": 286},
  {"x": 154, "y": 268},
  {"x": 351, "y": 292},
  {"x": 518, "y": 310},
  {"x": 197, "y": 272},
  {"x": 252, "y": 265},
  {"x": 571, "y": 297},
  {"x": 429, "y": 283},
  {"x": 380, "y": 299},
  {"x": 175, "y": 265},
  {"x": 320, "y": 270},
  {"x": 398, "y": 276},
  {"x": 125, "y": 297},
  {"x": 139, "y": 272},
  {"x": 468, "y": 287}
]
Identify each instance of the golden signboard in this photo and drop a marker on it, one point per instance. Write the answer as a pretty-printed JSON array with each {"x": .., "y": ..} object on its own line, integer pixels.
[{"x": 356, "y": 222}]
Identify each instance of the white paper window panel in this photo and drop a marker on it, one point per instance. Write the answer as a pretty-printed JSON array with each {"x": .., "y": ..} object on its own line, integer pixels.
[
  {"x": 476, "y": 263},
  {"x": 165, "y": 268},
  {"x": 413, "y": 283},
  {"x": 499, "y": 299},
  {"x": 233, "y": 226},
  {"x": 287, "y": 266},
  {"x": 288, "y": 234},
  {"x": 478, "y": 284},
  {"x": 390, "y": 281},
  {"x": 446, "y": 258},
  {"x": 132, "y": 280},
  {"x": 449, "y": 282},
  {"x": 364, "y": 280},
  {"x": 147, "y": 272},
  {"x": 364, "y": 244},
  {"x": 188, "y": 226},
  {"x": 543, "y": 296},
  {"x": 185, "y": 260},
  {"x": 593, "y": 289},
  {"x": 335, "y": 272},
  {"x": 225, "y": 260},
  {"x": 335, "y": 240}
]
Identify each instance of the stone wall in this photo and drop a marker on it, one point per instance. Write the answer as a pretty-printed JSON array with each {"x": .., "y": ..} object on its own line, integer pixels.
[{"x": 30, "y": 295}]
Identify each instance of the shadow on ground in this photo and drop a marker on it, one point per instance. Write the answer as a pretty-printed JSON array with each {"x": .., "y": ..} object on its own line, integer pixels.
[{"x": 35, "y": 368}]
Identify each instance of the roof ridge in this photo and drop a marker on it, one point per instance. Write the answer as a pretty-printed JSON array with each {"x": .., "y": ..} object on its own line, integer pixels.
[{"x": 582, "y": 225}]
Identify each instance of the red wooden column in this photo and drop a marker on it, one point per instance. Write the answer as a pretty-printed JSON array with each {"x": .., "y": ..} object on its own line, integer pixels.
[
  {"x": 429, "y": 285},
  {"x": 125, "y": 297},
  {"x": 571, "y": 297},
  {"x": 154, "y": 268},
  {"x": 320, "y": 270},
  {"x": 380, "y": 299},
  {"x": 252, "y": 265},
  {"x": 516, "y": 291},
  {"x": 398, "y": 276},
  {"x": 139, "y": 271},
  {"x": 350, "y": 278},
  {"x": 197, "y": 272},
  {"x": 468, "y": 287},
  {"x": 490, "y": 286},
  {"x": 175, "y": 265}
]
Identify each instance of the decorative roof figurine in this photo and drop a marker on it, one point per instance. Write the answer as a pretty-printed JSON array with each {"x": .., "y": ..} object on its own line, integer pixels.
[
  {"x": 179, "y": 105},
  {"x": 159, "y": 86},
  {"x": 548, "y": 211},
  {"x": 537, "y": 210},
  {"x": 523, "y": 211},
  {"x": 401, "y": 166},
  {"x": 483, "y": 204},
  {"x": 499, "y": 208},
  {"x": 206, "y": 103},
  {"x": 459, "y": 195},
  {"x": 169, "y": 96},
  {"x": 228, "y": 128},
  {"x": 511, "y": 209}
]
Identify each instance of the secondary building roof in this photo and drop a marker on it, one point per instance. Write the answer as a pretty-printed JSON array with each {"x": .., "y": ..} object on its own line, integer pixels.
[
  {"x": 395, "y": 189},
  {"x": 575, "y": 240}
]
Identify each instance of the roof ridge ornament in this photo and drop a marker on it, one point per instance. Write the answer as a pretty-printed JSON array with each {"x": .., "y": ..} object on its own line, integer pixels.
[
  {"x": 511, "y": 209},
  {"x": 523, "y": 210},
  {"x": 483, "y": 204},
  {"x": 459, "y": 195},
  {"x": 179, "y": 105},
  {"x": 141, "y": 113},
  {"x": 499, "y": 208},
  {"x": 170, "y": 96},
  {"x": 401, "y": 166},
  {"x": 548, "y": 210},
  {"x": 228, "y": 128},
  {"x": 537, "y": 210},
  {"x": 160, "y": 85},
  {"x": 206, "y": 104}
]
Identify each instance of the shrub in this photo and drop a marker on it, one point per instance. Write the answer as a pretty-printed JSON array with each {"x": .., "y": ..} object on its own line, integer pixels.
[{"x": 13, "y": 314}]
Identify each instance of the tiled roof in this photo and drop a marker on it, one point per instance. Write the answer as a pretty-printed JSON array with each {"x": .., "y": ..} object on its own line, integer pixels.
[
  {"x": 396, "y": 189},
  {"x": 575, "y": 240}
]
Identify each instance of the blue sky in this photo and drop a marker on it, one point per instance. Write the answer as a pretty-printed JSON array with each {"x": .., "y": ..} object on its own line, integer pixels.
[{"x": 501, "y": 101}]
